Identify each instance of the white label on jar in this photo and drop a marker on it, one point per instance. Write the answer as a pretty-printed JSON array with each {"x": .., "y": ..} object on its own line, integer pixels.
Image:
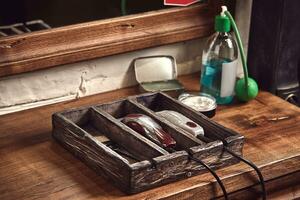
[{"x": 228, "y": 78}]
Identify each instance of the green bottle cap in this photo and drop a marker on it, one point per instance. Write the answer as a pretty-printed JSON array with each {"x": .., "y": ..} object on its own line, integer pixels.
[{"x": 222, "y": 23}]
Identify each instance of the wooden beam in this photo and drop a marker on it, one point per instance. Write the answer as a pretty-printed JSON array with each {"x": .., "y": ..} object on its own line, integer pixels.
[{"x": 69, "y": 44}]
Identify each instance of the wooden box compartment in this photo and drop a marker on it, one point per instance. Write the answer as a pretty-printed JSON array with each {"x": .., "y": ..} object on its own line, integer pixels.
[
  {"x": 89, "y": 132},
  {"x": 78, "y": 131},
  {"x": 213, "y": 131}
]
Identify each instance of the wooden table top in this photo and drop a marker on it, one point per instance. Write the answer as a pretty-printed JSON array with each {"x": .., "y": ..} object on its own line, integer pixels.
[{"x": 33, "y": 165}]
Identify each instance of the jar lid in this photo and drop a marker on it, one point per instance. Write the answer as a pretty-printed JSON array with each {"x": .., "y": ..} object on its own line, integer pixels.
[{"x": 200, "y": 102}]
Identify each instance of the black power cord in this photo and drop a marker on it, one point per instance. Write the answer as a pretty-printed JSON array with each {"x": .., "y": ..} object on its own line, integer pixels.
[
  {"x": 248, "y": 162},
  {"x": 125, "y": 153},
  {"x": 172, "y": 150},
  {"x": 214, "y": 174},
  {"x": 251, "y": 164},
  {"x": 209, "y": 169}
]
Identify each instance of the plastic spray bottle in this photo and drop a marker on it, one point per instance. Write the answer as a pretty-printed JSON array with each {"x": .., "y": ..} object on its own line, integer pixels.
[{"x": 219, "y": 62}]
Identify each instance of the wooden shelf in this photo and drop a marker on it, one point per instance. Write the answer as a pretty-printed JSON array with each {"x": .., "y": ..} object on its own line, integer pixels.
[{"x": 57, "y": 46}]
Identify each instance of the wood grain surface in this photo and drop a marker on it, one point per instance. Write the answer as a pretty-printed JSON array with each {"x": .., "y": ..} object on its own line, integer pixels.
[
  {"x": 71, "y": 129},
  {"x": 34, "y": 166},
  {"x": 69, "y": 44}
]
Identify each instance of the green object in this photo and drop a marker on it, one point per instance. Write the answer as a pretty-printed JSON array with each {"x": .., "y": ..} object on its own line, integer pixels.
[
  {"x": 246, "y": 88},
  {"x": 244, "y": 93},
  {"x": 222, "y": 23},
  {"x": 123, "y": 7}
]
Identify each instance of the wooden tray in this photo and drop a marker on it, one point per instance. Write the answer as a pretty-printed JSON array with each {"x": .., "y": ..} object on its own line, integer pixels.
[{"x": 82, "y": 132}]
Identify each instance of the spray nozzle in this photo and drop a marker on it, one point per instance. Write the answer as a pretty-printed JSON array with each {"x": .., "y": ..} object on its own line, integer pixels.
[{"x": 224, "y": 9}]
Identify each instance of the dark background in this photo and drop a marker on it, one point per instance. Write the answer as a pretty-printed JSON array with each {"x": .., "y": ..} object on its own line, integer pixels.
[
  {"x": 65, "y": 12},
  {"x": 274, "y": 47}
]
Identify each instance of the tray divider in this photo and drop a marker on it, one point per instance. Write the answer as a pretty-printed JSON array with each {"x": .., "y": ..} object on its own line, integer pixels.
[
  {"x": 230, "y": 138},
  {"x": 179, "y": 135},
  {"x": 210, "y": 149},
  {"x": 77, "y": 132},
  {"x": 77, "y": 129},
  {"x": 126, "y": 137},
  {"x": 95, "y": 154}
]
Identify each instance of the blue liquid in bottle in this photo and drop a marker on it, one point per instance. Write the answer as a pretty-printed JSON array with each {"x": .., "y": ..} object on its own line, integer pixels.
[
  {"x": 211, "y": 77},
  {"x": 218, "y": 71}
]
